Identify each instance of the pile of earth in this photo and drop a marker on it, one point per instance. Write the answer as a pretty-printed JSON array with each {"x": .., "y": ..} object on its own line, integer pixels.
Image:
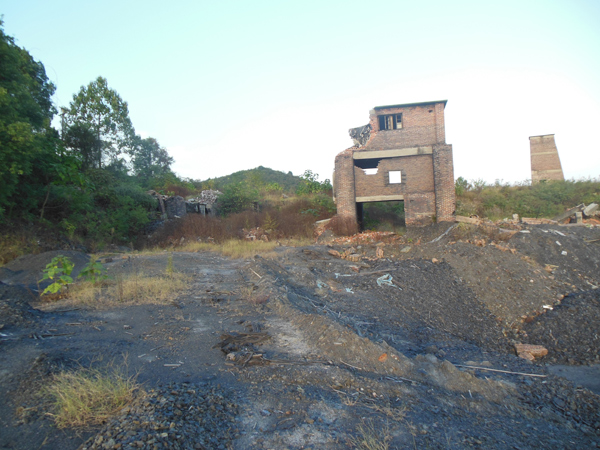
[{"x": 414, "y": 333}]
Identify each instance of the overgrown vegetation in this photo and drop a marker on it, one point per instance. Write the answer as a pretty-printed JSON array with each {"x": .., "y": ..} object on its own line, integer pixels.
[
  {"x": 500, "y": 200},
  {"x": 86, "y": 183},
  {"x": 90, "y": 396},
  {"x": 286, "y": 219},
  {"x": 384, "y": 216}
]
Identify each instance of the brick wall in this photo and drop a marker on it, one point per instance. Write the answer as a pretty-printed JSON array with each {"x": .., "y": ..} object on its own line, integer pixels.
[
  {"x": 417, "y": 177},
  {"x": 545, "y": 162},
  {"x": 419, "y": 209},
  {"x": 421, "y": 125},
  {"x": 443, "y": 172},
  {"x": 345, "y": 196},
  {"x": 427, "y": 178}
]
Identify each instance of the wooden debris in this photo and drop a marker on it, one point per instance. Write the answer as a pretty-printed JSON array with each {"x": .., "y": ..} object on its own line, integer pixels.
[
  {"x": 502, "y": 371},
  {"x": 538, "y": 221}
]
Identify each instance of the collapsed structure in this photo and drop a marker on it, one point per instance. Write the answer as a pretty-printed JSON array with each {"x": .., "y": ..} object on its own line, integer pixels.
[
  {"x": 401, "y": 154},
  {"x": 545, "y": 162}
]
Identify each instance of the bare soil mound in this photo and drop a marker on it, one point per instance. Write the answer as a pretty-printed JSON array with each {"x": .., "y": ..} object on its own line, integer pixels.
[
  {"x": 407, "y": 341},
  {"x": 571, "y": 330}
]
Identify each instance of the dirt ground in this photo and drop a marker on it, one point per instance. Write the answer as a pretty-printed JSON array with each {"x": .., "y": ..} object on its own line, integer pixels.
[{"x": 411, "y": 339}]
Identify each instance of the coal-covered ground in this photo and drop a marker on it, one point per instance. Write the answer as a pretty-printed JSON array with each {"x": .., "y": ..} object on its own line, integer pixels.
[{"x": 410, "y": 343}]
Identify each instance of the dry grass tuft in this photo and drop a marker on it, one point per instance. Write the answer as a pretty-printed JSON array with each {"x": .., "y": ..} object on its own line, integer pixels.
[
  {"x": 253, "y": 296},
  {"x": 236, "y": 248},
  {"x": 133, "y": 289},
  {"x": 370, "y": 438},
  {"x": 90, "y": 396}
]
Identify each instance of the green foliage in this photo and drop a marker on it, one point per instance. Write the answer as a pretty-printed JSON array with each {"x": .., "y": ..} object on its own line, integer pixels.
[
  {"x": 93, "y": 271},
  {"x": 102, "y": 112},
  {"x": 310, "y": 184},
  {"x": 461, "y": 186},
  {"x": 547, "y": 199},
  {"x": 237, "y": 198},
  {"x": 260, "y": 177},
  {"x": 383, "y": 216},
  {"x": 59, "y": 270},
  {"x": 84, "y": 143},
  {"x": 27, "y": 141},
  {"x": 150, "y": 160}
]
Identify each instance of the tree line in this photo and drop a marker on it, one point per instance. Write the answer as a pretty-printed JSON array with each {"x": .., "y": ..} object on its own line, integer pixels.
[{"x": 89, "y": 177}]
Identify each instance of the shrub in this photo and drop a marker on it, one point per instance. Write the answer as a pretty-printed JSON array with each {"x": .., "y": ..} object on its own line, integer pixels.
[{"x": 545, "y": 199}]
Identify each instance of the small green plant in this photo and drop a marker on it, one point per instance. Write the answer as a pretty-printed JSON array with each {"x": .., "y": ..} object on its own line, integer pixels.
[
  {"x": 69, "y": 228},
  {"x": 59, "y": 270},
  {"x": 270, "y": 223},
  {"x": 93, "y": 271}
]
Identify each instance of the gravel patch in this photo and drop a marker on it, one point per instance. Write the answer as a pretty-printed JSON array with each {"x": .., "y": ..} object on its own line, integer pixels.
[{"x": 175, "y": 416}]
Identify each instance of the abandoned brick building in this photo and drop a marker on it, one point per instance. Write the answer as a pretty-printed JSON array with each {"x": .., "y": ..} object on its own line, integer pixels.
[
  {"x": 545, "y": 162},
  {"x": 401, "y": 154}
]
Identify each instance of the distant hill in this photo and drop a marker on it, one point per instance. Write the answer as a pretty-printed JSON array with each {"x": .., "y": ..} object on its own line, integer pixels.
[{"x": 258, "y": 176}]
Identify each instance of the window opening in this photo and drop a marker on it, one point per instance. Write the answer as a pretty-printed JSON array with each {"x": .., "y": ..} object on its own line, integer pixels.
[
  {"x": 370, "y": 171},
  {"x": 395, "y": 176},
  {"x": 390, "y": 122},
  {"x": 367, "y": 164}
]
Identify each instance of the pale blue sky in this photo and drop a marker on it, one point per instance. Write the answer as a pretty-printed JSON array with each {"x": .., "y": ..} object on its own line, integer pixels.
[{"x": 232, "y": 85}]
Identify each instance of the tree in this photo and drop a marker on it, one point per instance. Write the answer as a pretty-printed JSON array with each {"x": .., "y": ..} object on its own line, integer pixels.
[
  {"x": 310, "y": 184},
  {"x": 103, "y": 112},
  {"x": 27, "y": 141},
  {"x": 84, "y": 143},
  {"x": 149, "y": 159}
]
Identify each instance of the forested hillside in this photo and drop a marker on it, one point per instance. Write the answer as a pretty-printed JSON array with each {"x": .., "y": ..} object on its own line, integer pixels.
[{"x": 271, "y": 180}]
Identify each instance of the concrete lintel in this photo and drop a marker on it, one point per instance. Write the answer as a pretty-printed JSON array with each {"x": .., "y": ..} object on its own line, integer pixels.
[
  {"x": 379, "y": 198},
  {"x": 394, "y": 153}
]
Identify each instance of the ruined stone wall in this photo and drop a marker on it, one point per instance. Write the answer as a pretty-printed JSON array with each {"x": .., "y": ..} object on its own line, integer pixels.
[
  {"x": 417, "y": 177},
  {"x": 345, "y": 196},
  {"x": 419, "y": 209},
  {"x": 421, "y": 125},
  {"x": 418, "y": 150},
  {"x": 443, "y": 173},
  {"x": 545, "y": 162}
]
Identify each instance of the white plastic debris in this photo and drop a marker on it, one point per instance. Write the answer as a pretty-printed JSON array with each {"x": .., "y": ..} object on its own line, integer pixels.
[
  {"x": 524, "y": 231},
  {"x": 548, "y": 307},
  {"x": 387, "y": 280},
  {"x": 349, "y": 290},
  {"x": 558, "y": 243},
  {"x": 564, "y": 253},
  {"x": 558, "y": 232}
]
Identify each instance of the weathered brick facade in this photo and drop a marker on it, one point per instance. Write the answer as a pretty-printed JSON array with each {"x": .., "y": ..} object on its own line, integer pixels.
[
  {"x": 405, "y": 157},
  {"x": 545, "y": 163}
]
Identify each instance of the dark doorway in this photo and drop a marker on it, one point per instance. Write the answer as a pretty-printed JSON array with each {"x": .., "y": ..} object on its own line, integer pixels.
[{"x": 381, "y": 216}]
